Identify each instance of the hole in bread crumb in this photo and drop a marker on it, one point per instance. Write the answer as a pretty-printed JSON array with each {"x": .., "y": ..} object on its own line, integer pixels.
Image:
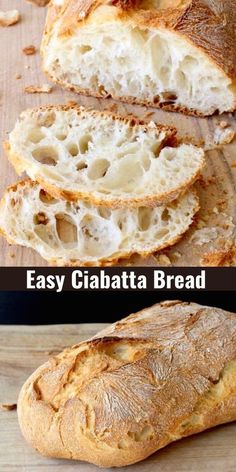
[
  {"x": 165, "y": 215},
  {"x": 104, "y": 212},
  {"x": 169, "y": 97},
  {"x": 146, "y": 162},
  {"x": 66, "y": 230},
  {"x": 161, "y": 233},
  {"x": 98, "y": 169},
  {"x": 102, "y": 90},
  {"x": 181, "y": 80},
  {"x": 61, "y": 136},
  {"x": 84, "y": 48},
  {"x": 84, "y": 143},
  {"x": 13, "y": 202},
  {"x": 36, "y": 135},
  {"x": 164, "y": 74},
  {"x": 215, "y": 89},
  {"x": 46, "y": 198},
  {"x": 98, "y": 236},
  {"x": 46, "y": 119},
  {"x": 45, "y": 155},
  {"x": 73, "y": 149},
  {"x": 188, "y": 63},
  {"x": 120, "y": 224},
  {"x": 40, "y": 219},
  {"x": 81, "y": 165},
  {"x": 144, "y": 218}
]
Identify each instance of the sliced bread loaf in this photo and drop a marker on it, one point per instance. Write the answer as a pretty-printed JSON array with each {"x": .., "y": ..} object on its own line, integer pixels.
[
  {"x": 101, "y": 158},
  {"x": 66, "y": 233},
  {"x": 174, "y": 54}
]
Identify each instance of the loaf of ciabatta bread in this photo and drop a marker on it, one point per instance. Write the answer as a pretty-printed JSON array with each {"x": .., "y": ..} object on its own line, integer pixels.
[
  {"x": 159, "y": 375},
  {"x": 175, "y": 54},
  {"x": 67, "y": 233},
  {"x": 105, "y": 159}
]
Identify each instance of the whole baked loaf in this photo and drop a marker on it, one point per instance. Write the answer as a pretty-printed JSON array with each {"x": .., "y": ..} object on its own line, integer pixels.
[
  {"x": 161, "y": 374},
  {"x": 102, "y": 158},
  {"x": 175, "y": 54},
  {"x": 78, "y": 233}
]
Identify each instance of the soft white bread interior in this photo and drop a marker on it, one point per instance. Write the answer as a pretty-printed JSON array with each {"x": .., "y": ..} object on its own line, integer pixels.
[
  {"x": 179, "y": 55},
  {"x": 161, "y": 374},
  {"x": 104, "y": 159},
  {"x": 66, "y": 233}
]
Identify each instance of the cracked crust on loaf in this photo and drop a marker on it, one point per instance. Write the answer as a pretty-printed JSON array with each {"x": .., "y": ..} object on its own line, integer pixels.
[{"x": 164, "y": 373}]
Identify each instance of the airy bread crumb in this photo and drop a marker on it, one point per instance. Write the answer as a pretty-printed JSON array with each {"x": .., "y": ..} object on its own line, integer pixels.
[
  {"x": 9, "y": 18},
  {"x": 45, "y": 88},
  {"x": 133, "y": 58},
  {"x": 82, "y": 234},
  {"x": 98, "y": 149}
]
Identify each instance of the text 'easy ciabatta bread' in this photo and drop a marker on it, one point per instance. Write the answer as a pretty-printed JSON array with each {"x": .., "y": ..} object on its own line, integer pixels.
[
  {"x": 159, "y": 375},
  {"x": 67, "y": 233},
  {"x": 180, "y": 55},
  {"x": 105, "y": 159}
]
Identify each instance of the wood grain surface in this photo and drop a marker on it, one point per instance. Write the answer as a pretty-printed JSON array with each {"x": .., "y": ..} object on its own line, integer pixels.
[
  {"x": 217, "y": 190},
  {"x": 23, "y": 348}
]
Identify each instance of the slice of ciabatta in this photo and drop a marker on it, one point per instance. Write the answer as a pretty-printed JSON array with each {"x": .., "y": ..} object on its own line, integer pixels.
[
  {"x": 175, "y": 54},
  {"x": 101, "y": 158},
  {"x": 66, "y": 233}
]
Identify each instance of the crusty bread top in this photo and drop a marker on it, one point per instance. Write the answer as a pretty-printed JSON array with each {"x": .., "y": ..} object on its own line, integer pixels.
[
  {"x": 208, "y": 24},
  {"x": 161, "y": 374}
]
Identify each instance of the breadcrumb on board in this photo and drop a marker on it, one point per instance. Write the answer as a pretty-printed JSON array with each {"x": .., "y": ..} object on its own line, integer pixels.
[
  {"x": 9, "y": 18},
  {"x": 45, "y": 88},
  {"x": 29, "y": 50}
]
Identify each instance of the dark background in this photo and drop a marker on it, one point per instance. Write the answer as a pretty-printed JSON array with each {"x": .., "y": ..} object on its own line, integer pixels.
[{"x": 87, "y": 307}]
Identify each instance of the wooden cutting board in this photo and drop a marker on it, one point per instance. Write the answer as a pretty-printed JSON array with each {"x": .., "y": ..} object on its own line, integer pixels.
[
  {"x": 217, "y": 190},
  {"x": 23, "y": 348}
]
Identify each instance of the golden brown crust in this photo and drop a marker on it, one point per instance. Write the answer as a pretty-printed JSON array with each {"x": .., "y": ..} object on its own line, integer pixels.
[
  {"x": 207, "y": 24},
  {"x": 161, "y": 374},
  {"x": 130, "y": 119}
]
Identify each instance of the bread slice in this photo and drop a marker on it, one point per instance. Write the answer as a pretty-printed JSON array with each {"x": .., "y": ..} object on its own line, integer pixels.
[
  {"x": 161, "y": 374},
  {"x": 101, "y": 158},
  {"x": 78, "y": 233},
  {"x": 179, "y": 55}
]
